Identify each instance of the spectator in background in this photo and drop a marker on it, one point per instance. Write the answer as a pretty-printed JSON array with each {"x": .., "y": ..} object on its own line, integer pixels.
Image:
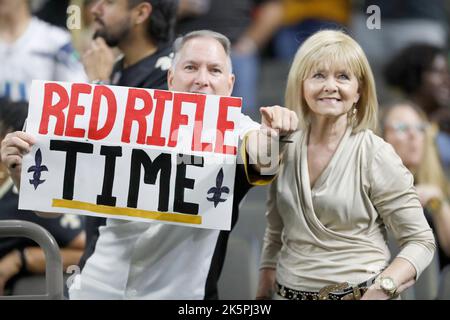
[
  {"x": 420, "y": 73},
  {"x": 32, "y": 49},
  {"x": 302, "y": 18},
  {"x": 405, "y": 127},
  {"x": 249, "y": 24},
  {"x": 21, "y": 256}
]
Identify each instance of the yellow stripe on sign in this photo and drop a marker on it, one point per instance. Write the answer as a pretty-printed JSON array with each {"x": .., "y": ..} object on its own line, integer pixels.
[{"x": 131, "y": 212}]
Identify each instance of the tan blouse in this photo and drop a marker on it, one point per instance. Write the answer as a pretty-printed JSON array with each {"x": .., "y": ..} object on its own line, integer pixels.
[{"x": 335, "y": 232}]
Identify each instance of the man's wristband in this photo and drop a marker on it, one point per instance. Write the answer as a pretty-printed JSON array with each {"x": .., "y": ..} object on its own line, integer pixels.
[{"x": 23, "y": 262}]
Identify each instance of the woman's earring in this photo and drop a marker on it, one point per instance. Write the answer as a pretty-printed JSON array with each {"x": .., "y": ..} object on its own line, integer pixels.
[{"x": 354, "y": 112}]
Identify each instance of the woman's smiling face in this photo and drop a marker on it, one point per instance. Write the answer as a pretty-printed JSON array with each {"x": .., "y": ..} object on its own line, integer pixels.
[{"x": 330, "y": 91}]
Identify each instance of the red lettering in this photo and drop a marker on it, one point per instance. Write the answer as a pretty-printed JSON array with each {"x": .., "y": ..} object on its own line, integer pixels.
[
  {"x": 178, "y": 119},
  {"x": 197, "y": 145},
  {"x": 75, "y": 109},
  {"x": 132, "y": 114},
  {"x": 56, "y": 110},
  {"x": 161, "y": 97},
  {"x": 94, "y": 132},
  {"x": 224, "y": 125}
]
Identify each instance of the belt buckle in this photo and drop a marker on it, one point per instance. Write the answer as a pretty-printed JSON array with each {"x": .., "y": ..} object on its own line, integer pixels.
[
  {"x": 324, "y": 293},
  {"x": 282, "y": 292},
  {"x": 356, "y": 294}
]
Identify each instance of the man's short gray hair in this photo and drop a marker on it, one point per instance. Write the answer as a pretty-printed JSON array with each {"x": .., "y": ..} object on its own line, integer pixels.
[{"x": 181, "y": 41}]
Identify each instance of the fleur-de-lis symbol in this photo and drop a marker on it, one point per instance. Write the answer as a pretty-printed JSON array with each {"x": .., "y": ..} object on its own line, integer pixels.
[
  {"x": 70, "y": 221},
  {"x": 37, "y": 170},
  {"x": 218, "y": 190}
]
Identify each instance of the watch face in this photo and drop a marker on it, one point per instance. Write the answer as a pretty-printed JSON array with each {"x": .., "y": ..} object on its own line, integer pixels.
[{"x": 387, "y": 284}]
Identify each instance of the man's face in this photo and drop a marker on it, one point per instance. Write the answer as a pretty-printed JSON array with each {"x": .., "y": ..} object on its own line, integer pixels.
[
  {"x": 112, "y": 20},
  {"x": 202, "y": 67}
]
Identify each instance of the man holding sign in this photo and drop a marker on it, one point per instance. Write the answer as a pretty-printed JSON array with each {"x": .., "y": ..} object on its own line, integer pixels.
[{"x": 164, "y": 260}]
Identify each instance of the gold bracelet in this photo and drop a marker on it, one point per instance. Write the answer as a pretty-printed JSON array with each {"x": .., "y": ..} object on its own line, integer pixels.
[{"x": 434, "y": 206}]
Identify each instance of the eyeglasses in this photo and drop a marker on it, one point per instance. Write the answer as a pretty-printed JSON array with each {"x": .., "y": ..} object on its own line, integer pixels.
[{"x": 402, "y": 128}]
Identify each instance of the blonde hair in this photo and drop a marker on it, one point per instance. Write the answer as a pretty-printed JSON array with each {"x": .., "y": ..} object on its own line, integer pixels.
[
  {"x": 430, "y": 170},
  {"x": 332, "y": 47}
]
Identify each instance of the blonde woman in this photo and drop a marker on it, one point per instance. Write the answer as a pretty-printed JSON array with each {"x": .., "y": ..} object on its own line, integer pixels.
[
  {"x": 339, "y": 188},
  {"x": 404, "y": 125}
]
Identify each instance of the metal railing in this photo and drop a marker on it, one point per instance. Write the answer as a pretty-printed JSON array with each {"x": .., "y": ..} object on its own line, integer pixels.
[{"x": 53, "y": 267}]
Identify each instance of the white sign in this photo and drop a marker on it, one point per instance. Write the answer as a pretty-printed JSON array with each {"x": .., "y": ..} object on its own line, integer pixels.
[{"x": 129, "y": 153}]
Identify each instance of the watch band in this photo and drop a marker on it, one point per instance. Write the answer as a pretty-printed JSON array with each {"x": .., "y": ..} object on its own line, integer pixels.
[{"x": 392, "y": 293}]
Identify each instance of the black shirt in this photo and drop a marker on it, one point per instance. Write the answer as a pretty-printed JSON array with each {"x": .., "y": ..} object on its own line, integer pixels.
[
  {"x": 149, "y": 73},
  {"x": 241, "y": 187}
]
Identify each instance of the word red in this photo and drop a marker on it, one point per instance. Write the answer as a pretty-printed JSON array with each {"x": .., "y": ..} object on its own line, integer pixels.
[{"x": 65, "y": 124}]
